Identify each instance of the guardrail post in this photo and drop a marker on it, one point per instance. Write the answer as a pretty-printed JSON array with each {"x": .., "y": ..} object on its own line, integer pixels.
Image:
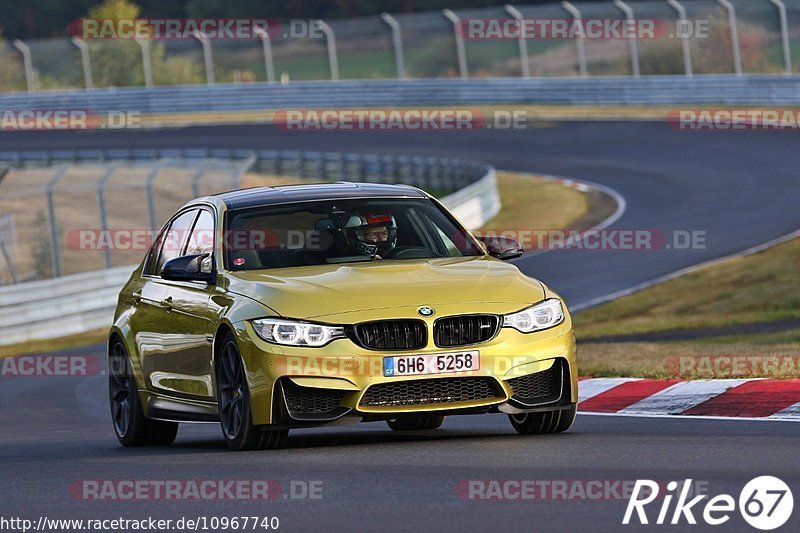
[
  {"x": 208, "y": 59},
  {"x": 737, "y": 56},
  {"x": 521, "y": 40},
  {"x": 397, "y": 43},
  {"x": 6, "y": 256},
  {"x": 266, "y": 45},
  {"x": 196, "y": 182},
  {"x": 633, "y": 44},
  {"x": 687, "y": 53},
  {"x": 147, "y": 68},
  {"x": 27, "y": 63},
  {"x": 330, "y": 39},
  {"x": 579, "y": 36},
  {"x": 85, "y": 61},
  {"x": 787, "y": 52},
  {"x": 247, "y": 164},
  {"x": 55, "y": 249},
  {"x": 151, "y": 201},
  {"x": 101, "y": 204},
  {"x": 461, "y": 52}
]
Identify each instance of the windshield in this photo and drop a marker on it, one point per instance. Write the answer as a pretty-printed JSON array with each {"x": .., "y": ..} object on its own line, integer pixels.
[{"x": 342, "y": 231}]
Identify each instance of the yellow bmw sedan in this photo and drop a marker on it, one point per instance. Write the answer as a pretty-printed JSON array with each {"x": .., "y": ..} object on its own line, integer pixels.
[{"x": 269, "y": 309}]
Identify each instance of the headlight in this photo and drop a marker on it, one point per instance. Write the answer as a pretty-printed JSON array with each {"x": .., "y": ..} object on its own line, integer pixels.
[
  {"x": 292, "y": 333},
  {"x": 541, "y": 316}
]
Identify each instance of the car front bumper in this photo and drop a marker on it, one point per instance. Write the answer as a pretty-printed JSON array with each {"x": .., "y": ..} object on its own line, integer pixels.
[{"x": 306, "y": 386}]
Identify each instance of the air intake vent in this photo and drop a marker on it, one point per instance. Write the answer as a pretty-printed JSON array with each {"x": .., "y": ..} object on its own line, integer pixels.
[
  {"x": 540, "y": 387},
  {"x": 431, "y": 391}
]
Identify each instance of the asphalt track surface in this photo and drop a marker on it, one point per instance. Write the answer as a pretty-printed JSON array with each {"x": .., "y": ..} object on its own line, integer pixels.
[{"x": 741, "y": 188}]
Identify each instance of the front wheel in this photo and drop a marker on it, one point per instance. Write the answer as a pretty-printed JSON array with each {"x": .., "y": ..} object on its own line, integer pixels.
[
  {"x": 415, "y": 423},
  {"x": 233, "y": 398},
  {"x": 544, "y": 422},
  {"x": 130, "y": 425}
]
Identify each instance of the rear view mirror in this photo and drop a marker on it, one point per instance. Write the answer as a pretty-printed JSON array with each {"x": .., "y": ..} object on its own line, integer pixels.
[
  {"x": 196, "y": 267},
  {"x": 501, "y": 247}
]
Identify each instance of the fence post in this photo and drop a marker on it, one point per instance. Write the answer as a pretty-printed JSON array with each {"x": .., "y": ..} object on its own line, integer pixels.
[
  {"x": 3, "y": 251},
  {"x": 687, "y": 53},
  {"x": 266, "y": 45},
  {"x": 207, "y": 57},
  {"x": 633, "y": 44},
  {"x": 151, "y": 201},
  {"x": 522, "y": 39},
  {"x": 196, "y": 182},
  {"x": 27, "y": 62},
  {"x": 579, "y": 36},
  {"x": 787, "y": 52},
  {"x": 737, "y": 56},
  {"x": 330, "y": 39},
  {"x": 461, "y": 52},
  {"x": 397, "y": 42},
  {"x": 85, "y": 61},
  {"x": 247, "y": 164},
  {"x": 147, "y": 68},
  {"x": 101, "y": 204},
  {"x": 55, "y": 249}
]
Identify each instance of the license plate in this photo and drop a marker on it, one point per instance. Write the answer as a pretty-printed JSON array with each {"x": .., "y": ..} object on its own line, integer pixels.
[{"x": 439, "y": 363}]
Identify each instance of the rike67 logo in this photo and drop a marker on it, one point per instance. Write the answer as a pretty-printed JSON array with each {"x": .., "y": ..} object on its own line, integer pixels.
[{"x": 765, "y": 503}]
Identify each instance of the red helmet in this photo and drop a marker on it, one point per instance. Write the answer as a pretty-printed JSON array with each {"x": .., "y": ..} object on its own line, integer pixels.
[{"x": 372, "y": 233}]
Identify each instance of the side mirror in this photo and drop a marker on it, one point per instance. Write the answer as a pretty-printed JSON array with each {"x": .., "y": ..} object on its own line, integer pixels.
[
  {"x": 501, "y": 247},
  {"x": 196, "y": 267}
]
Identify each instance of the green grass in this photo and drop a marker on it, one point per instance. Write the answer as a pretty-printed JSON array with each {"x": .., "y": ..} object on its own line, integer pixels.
[
  {"x": 669, "y": 359},
  {"x": 760, "y": 288},
  {"x": 51, "y": 345},
  {"x": 529, "y": 203}
]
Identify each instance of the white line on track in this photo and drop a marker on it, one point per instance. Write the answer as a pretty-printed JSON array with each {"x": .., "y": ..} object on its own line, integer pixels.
[{"x": 693, "y": 417}]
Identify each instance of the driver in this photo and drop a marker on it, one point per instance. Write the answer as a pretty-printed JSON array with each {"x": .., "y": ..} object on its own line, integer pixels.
[{"x": 372, "y": 234}]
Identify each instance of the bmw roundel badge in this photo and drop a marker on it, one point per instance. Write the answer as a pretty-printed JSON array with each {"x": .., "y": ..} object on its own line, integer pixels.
[{"x": 426, "y": 311}]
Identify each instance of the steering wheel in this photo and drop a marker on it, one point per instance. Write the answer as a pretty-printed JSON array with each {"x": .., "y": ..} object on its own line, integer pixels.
[{"x": 410, "y": 252}]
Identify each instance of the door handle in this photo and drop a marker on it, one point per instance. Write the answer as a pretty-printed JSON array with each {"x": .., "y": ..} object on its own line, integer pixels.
[{"x": 167, "y": 303}]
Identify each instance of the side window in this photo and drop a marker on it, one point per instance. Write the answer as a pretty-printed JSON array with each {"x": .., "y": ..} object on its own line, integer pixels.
[
  {"x": 152, "y": 255},
  {"x": 174, "y": 240},
  {"x": 201, "y": 240}
]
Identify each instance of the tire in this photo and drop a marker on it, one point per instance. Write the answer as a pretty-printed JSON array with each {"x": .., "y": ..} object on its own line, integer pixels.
[
  {"x": 416, "y": 422},
  {"x": 233, "y": 399},
  {"x": 544, "y": 422},
  {"x": 130, "y": 425}
]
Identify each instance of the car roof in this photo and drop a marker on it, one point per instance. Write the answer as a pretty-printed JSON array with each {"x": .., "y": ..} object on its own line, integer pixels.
[{"x": 340, "y": 190}]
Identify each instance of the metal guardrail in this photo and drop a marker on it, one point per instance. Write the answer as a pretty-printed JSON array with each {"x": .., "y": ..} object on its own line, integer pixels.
[
  {"x": 27, "y": 310},
  {"x": 752, "y": 36},
  {"x": 654, "y": 90}
]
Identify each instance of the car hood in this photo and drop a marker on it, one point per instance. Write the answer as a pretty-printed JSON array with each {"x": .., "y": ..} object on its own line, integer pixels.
[{"x": 327, "y": 290}]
